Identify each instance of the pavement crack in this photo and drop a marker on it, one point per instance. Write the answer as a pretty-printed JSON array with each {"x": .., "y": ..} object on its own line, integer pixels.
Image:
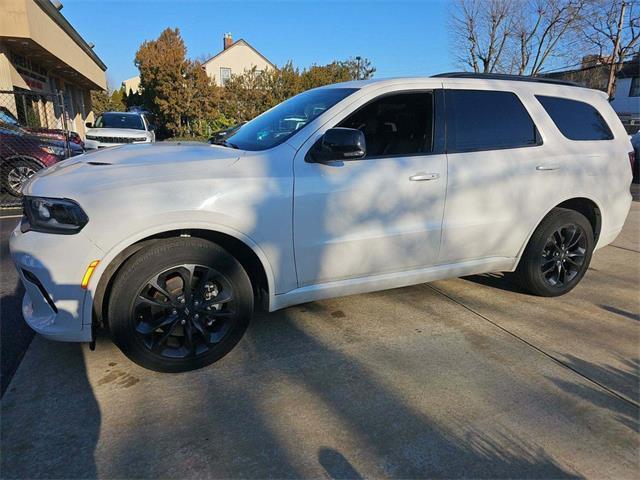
[
  {"x": 538, "y": 349},
  {"x": 624, "y": 248}
]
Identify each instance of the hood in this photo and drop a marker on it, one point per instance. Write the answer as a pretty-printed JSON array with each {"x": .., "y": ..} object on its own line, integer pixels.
[
  {"x": 116, "y": 132},
  {"x": 129, "y": 165}
]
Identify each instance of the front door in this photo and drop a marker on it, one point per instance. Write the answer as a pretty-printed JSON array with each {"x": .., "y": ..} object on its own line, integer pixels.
[{"x": 379, "y": 214}]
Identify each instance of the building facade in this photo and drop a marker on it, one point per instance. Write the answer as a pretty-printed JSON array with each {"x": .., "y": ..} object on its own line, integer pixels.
[
  {"x": 45, "y": 65},
  {"x": 235, "y": 59},
  {"x": 131, "y": 85}
]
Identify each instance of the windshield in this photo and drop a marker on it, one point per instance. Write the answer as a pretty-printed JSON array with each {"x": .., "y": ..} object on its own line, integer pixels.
[
  {"x": 7, "y": 118},
  {"x": 276, "y": 125},
  {"x": 119, "y": 120}
]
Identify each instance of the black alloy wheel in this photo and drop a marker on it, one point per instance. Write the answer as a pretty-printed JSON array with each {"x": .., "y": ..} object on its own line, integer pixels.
[
  {"x": 557, "y": 255},
  {"x": 184, "y": 311},
  {"x": 564, "y": 255},
  {"x": 179, "y": 304}
]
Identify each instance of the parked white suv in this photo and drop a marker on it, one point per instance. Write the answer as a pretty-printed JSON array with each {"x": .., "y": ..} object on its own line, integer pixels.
[
  {"x": 119, "y": 128},
  {"x": 380, "y": 184}
]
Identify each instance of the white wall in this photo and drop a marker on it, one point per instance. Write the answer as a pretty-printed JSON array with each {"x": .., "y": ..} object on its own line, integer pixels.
[
  {"x": 239, "y": 58},
  {"x": 622, "y": 102}
]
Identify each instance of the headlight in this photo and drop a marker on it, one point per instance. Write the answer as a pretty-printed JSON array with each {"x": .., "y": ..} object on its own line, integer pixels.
[
  {"x": 52, "y": 215},
  {"x": 59, "y": 151}
]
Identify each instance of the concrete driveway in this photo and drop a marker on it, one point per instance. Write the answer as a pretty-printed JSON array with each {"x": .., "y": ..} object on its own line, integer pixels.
[{"x": 459, "y": 378}]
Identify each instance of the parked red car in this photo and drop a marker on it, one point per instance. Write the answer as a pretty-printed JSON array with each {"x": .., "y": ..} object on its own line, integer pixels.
[
  {"x": 8, "y": 118},
  {"x": 22, "y": 154}
]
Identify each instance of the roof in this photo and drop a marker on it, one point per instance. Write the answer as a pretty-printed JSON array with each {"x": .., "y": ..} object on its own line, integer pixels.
[
  {"x": 503, "y": 76},
  {"x": 239, "y": 42},
  {"x": 62, "y": 22},
  {"x": 438, "y": 77}
]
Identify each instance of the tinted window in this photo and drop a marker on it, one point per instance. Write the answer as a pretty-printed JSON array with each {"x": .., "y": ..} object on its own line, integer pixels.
[
  {"x": 119, "y": 120},
  {"x": 576, "y": 120},
  {"x": 399, "y": 124},
  {"x": 276, "y": 125},
  {"x": 486, "y": 120}
]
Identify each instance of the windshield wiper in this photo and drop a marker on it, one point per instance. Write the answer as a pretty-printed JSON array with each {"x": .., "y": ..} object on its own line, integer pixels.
[{"x": 226, "y": 143}]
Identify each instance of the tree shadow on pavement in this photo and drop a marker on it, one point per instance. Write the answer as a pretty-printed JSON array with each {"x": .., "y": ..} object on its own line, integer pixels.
[
  {"x": 624, "y": 380},
  {"x": 50, "y": 427}
]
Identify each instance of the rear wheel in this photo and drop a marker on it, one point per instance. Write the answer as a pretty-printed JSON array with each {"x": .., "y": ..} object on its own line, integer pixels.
[
  {"x": 179, "y": 305},
  {"x": 558, "y": 254},
  {"x": 15, "y": 174}
]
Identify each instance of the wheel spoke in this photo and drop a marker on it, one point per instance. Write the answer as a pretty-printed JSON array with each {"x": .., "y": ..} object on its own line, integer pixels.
[
  {"x": 165, "y": 336},
  {"x": 189, "y": 344},
  {"x": 575, "y": 239},
  {"x": 150, "y": 301},
  {"x": 145, "y": 328}
]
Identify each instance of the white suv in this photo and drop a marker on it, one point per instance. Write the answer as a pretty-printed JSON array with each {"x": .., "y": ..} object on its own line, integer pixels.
[
  {"x": 119, "y": 128},
  {"x": 379, "y": 184}
]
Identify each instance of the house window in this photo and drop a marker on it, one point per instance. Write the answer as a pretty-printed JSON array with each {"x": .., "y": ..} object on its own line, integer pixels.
[
  {"x": 225, "y": 75},
  {"x": 634, "y": 91}
]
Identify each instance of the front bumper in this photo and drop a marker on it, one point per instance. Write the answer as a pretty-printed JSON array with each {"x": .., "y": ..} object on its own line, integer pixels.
[{"x": 51, "y": 268}]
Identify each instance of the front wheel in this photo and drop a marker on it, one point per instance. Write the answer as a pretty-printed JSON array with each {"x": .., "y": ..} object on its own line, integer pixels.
[
  {"x": 179, "y": 305},
  {"x": 557, "y": 255}
]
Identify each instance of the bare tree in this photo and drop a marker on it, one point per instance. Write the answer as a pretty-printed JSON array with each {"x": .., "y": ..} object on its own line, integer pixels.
[
  {"x": 613, "y": 28},
  {"x": 481, "y": 29},
  {"x": 543, "y": 31},
  {"x": 514, "y": 36}
]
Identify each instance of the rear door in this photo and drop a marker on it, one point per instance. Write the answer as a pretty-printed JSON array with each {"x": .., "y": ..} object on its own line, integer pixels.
[{"x": 495, "y": 177}]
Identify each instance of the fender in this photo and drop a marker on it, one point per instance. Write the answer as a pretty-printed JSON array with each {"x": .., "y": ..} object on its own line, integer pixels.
[
  {"x": 87, "y": 308},
  {"x": 546, "y": 212},
  {"x": 25, "y": 157}
]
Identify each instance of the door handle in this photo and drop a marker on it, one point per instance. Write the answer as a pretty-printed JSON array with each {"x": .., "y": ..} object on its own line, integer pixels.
[
  {"x": 421, "y": 177},
  {"x": 546, "y": 168}
]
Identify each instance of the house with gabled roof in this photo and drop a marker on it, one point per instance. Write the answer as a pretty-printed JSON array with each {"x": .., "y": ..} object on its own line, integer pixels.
[{"x": 235, "y": 59}]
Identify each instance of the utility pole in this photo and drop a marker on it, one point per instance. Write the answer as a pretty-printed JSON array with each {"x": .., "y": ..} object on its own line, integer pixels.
[
  {"x": 358, "y": 68},
  {"x": 616, "y": 47}
]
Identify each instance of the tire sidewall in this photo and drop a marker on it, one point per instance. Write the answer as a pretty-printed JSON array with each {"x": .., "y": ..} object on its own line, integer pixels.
[
  {"x": 160, "y": 257},
  {"x": 533, "y": 259}
]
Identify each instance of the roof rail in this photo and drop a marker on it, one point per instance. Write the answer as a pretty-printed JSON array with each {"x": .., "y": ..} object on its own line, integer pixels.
[{"x": 505, "y": 76}]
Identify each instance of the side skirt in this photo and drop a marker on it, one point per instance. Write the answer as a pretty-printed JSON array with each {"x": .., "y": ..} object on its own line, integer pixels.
[{"x": 386, "y": 281}]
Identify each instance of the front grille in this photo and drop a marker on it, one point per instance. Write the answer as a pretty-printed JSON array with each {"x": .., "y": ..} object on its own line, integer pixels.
[{"x": 116, "y": 139}]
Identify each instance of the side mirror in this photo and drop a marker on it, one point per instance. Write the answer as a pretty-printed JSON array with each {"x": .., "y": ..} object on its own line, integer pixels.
[
  {"x": 151, "y": 128},
  {"x": 339, "y": 144},
  {"x": 88, "y": 125}
]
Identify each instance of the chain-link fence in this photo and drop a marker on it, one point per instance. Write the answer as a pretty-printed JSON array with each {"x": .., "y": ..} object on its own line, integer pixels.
[{"x": 33, "y": 135}]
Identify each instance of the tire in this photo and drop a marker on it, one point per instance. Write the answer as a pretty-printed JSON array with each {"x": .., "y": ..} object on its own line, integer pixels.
[
  {"x": 552, "y": 242},
  {"x": 162, "y": 326},
  {"x": 15, "y": 173}
]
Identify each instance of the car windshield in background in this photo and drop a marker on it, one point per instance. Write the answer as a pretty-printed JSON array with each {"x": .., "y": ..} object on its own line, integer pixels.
[
  {"x": 276, "y": 125},
  {"x": 119, "y": 120}
]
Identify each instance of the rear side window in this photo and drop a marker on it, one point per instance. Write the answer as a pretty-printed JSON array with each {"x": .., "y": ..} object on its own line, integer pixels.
[
  {"x": 487, "y": 120},
  {"x": 576, "y": 120}
]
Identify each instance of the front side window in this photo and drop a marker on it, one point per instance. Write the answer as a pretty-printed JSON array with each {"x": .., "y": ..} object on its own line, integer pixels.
[
  {"x": 576, "y": 120},
  {"x": 119, "y": 120},
  {"x": 276, "y": 125},
  {"x": 399, "y": 124},
  {"x": 225, "y": 75},
  {"x": 487, "y": 120}
]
